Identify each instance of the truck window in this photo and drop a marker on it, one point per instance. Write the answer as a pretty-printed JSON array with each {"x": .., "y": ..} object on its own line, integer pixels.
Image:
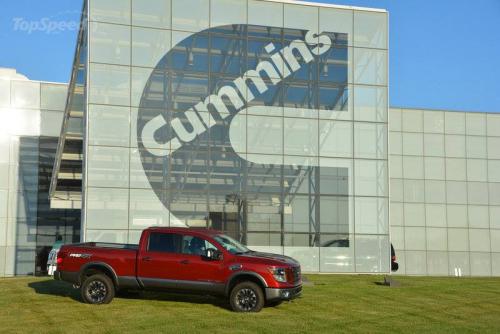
[
  {"x": 195, "y": 246},
  {"x": 164, "y": 242}
]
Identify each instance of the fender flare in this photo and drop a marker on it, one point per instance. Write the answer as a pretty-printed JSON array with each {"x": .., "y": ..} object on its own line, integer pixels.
[
  {"x": 98, "y": 264},
  {"x": 243, "y": 273}
]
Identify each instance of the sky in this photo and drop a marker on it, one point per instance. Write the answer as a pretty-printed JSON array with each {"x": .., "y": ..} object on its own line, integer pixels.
[{"x": 444, "y": 54}]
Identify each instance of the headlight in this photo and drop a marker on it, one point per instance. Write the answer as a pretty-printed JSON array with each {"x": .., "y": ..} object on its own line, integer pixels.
[{"x": 279, "y": 274}]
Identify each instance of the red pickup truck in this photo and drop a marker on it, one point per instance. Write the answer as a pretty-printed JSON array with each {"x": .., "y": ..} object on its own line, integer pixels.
[{"x": 202, "y": 261}]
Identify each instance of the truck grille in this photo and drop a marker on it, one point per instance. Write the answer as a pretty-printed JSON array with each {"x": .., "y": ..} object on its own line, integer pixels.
[{"x": 295, "y": 274}]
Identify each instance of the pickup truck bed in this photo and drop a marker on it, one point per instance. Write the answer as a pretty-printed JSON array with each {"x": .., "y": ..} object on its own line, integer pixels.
[{"x": 118, "y": 259}]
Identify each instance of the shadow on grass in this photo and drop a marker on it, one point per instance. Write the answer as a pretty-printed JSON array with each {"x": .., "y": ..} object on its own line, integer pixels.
[
  {"x": 175, "y": 297},
  {"x": 380, "y": 283},
  {"x": 389, "y": 281},
  {"x": 62, "y": 289},
  {"x": 55, "y": 288}
]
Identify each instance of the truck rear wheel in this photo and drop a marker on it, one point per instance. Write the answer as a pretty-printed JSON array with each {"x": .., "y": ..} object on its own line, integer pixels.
[
  {"x": 97, "y": 289},
  {"x": 246, "y": 297}
]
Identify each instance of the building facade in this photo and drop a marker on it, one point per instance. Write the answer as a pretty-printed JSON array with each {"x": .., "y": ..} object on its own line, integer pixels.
[
  {"x": 445, "y": 191},
  {"x": 269, "y": 120},
  {"x": 264, "y": 119},
  {"x": 31, "y": 115}
]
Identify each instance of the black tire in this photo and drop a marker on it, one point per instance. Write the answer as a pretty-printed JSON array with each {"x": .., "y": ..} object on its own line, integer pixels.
[
  {"x": 97, "y": 289},
  {"x": 246, "y": 297}
]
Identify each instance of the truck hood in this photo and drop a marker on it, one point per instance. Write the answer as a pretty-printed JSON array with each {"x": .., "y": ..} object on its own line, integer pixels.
[{"x": 270, "y": 258}]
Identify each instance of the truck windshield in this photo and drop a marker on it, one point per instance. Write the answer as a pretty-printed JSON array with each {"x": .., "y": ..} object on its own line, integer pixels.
[{"x": 231, "y": 245}]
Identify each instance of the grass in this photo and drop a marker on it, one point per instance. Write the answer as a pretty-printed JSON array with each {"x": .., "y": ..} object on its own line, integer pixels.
[{"x": 331, "y": 303}]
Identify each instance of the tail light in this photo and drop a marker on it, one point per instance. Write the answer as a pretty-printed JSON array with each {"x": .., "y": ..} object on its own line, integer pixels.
[{"x": 60, "y": 258}]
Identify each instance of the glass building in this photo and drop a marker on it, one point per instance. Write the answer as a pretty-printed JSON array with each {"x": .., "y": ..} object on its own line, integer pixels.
[
  {"x": 269, "y": 120},
  {"x": 445, "y": 191},
  {"x": 31, "y": 115},
  {"x": 266, "y": 120}
]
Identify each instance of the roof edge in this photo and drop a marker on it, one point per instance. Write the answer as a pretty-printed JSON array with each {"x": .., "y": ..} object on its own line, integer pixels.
[
  {"x": 328, "y": 5},
  {"x": 445, "y": 110}
]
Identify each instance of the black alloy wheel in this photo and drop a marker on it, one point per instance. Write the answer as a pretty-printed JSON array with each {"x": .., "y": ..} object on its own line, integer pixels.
[
  {"x": 97, "y": 289},
  {"x": 247, "y": 297}
]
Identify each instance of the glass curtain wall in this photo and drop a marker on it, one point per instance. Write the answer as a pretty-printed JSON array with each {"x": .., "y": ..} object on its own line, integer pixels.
[{"x": 238, "y": 115}]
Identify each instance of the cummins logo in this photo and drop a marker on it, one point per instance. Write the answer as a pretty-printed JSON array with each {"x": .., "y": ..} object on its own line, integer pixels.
[
  {"x": 283, "y": 63},
  {"x": 185, "y": 114}
]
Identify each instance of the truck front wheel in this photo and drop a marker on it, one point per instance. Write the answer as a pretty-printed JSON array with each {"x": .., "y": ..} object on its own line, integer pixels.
[
  {"x": 97, "y": 289},
  {"x": 246, "y": 297}
]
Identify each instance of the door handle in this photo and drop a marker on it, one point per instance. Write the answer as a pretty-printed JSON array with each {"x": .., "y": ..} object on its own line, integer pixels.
[
  {"x": 146, "y": 258},
  {"x": 184, "y": 262}
]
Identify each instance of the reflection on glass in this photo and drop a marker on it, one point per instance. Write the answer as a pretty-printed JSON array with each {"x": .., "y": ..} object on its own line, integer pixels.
[{"x": 253, "y": 173}]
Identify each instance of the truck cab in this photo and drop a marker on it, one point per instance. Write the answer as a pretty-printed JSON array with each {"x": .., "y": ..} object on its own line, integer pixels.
[{"x": 182, "y": 260}]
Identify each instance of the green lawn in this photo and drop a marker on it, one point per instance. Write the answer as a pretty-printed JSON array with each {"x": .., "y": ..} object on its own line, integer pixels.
[{"x": 330, "y": 303}]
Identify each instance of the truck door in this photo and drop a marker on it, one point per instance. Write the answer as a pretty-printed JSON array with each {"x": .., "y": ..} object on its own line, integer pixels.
[
  {"x": 159, "y": 260},
  {"x": 199, "y": 272}
]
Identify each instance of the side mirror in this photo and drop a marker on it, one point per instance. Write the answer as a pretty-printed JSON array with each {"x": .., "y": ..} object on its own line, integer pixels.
[{"x": 213, "y": 254}]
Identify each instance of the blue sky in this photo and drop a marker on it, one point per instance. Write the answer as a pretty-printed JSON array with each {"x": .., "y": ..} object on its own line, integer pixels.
[{"x": 444, "y": 54}]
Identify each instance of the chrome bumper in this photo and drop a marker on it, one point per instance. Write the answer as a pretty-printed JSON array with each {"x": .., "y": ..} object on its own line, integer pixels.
[{"x": 283, "y": 294}]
